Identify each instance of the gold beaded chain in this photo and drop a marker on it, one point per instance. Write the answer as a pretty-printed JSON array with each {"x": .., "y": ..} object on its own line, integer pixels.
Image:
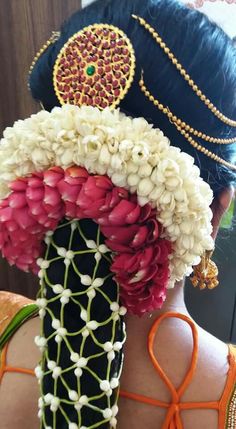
[
  {"x": 54, "y": 37},
  {"x": 175, "y": 120},
  {"x": 180, "y": 128},
  {"x": 183, "y": 72}
]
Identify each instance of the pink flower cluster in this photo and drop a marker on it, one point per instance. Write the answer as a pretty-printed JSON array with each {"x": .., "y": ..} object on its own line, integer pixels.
[{"x": 38, "y": 203}]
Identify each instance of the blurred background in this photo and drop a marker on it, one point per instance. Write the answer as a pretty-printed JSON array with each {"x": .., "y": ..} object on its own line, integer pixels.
[{"x": 25, "y": 25}]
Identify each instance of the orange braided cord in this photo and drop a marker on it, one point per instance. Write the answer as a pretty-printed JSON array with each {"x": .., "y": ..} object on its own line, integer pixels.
[
  {"x": 6, "y": 368},
  {"x": 173, "y": 418}
]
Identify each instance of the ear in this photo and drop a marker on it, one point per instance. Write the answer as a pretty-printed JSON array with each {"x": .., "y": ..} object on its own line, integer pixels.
[{"x": 219, "y": 206}]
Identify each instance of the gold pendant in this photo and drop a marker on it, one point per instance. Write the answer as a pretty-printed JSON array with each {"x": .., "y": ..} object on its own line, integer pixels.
[{"x": 205, "y": 275}]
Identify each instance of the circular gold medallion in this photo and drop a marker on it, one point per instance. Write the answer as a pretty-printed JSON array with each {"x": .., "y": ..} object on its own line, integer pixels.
[{"x": 95, "y": 67}]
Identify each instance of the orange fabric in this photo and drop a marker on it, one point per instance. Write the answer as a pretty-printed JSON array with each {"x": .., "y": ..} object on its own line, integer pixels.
[
  {"x": 4, "y": 367},
  {"x": 223, "y": 409},
  {"x": 10, "y": 304},
  {"x": 173, "y": 416}
]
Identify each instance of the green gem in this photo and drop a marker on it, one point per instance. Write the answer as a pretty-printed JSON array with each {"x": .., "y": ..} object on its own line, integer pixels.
[{"x": 91, "y": 70}]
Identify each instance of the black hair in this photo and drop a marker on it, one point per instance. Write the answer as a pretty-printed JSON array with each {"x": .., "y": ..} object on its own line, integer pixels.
[{"x": 205, "y": 51}]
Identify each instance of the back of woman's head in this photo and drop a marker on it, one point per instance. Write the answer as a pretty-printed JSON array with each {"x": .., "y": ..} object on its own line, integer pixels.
[{"x": 202, "y": 48}]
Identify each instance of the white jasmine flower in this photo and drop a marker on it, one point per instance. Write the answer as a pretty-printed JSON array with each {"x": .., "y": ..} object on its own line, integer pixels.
[
  {"x": 114, "y": 306},
  {"x": 62, "y": 332},
  {"x": 91, "y": 293},
  {"x": 103, "y": 248},
  {"x": 108, "y": 346},
  {"x": 51, "y": 364},
  {"x": 82, "y": 362},
  {"x": 113, "y": 422},
  {"x": 84, "y": 315},
  {"x": 39, "y": 372},
  {"x": 42, "y": 313},
  {"x": 55, "y": 402},
  {"x": 56, "y": 372},
  {"x": 145, "y": 170},
  {"x": 85, "y": 333},
  {"x": 122, "y": 311},
  {"x": 83, "y": 400},
  {"x": 69, "y": 254},
  {"x": 64, "y": 300},
  {"x": 98, "y": 282},
  {"x": 104, "y": 156},
  {"x": 93, "y": 325},
  {"x": 105, "y": 385},
  {"x": 73, "y": 395},
  {"x": 56, "y": 324},
  {"x": 61, "y": 251},
  {"x": 107, "y": 413},
  {"x": 111, "y": 356},
  {"x": 78, "y": 372},
  {"x": 41, "y": 302},
  {"x": 91, "y": 244},
  {"x": 133, "y": 179},
  {"x": 85, "y": 280},
  {"x": 117, "y": 346},
  {"x": 97, "y": 256},
  {"x": 57, "y": 289},
  {"x": 145, "y": 187},
  {"x": 73, "y": 426}
]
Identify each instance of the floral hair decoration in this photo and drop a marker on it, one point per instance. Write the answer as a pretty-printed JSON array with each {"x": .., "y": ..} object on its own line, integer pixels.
[
  {"x": 151, "y": 195},
  {"x": 144, "y": 200}
]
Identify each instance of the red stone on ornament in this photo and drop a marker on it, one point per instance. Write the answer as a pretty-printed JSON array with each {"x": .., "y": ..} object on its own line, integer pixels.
[
  {"x": 126, "y": 69},
  {"x": 105, "y": 45},
  {"x": 117, "y": 92}
]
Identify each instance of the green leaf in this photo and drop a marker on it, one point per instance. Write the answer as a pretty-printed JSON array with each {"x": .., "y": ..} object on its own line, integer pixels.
[
  {"x": 227, "y": 219},
  {"x": 23, "y": 314}
]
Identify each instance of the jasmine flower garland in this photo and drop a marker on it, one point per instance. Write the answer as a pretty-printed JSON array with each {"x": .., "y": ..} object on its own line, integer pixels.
[{"x": 133, "y": 154}]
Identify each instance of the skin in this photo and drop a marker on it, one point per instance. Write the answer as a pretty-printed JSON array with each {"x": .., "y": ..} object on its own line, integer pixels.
[{"x": 173, "y": 347}]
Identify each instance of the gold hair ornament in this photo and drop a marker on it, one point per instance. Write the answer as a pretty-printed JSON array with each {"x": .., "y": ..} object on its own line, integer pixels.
[
  {"x": 205, "y": 274},
  {"x": 182, "y": 128},
  {"x": 95, "y": 67},
  {"x": 178, "y": 122},
  {"x": 54, "y": 37},
  {"x": 183, "y": 72}
]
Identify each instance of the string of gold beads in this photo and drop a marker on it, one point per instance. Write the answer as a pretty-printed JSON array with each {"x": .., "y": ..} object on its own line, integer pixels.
[
  {"x": 183, "y": 131},
  {"x": 55, "y": 36},
  {"x": 181, "y": 123},
  {"x": 206, "y": 152},
  {"x": 184, "y": 73}
]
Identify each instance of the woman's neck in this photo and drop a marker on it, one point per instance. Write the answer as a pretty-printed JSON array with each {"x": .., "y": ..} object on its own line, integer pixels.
[{"x": 174, "y": 302}]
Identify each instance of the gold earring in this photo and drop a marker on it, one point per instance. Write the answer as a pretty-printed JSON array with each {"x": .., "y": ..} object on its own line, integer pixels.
[{"x": 205, "y": 274}]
